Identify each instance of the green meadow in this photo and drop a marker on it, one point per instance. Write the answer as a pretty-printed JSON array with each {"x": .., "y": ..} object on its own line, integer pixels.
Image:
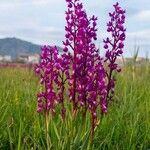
[{"x": 125, "y": 127}]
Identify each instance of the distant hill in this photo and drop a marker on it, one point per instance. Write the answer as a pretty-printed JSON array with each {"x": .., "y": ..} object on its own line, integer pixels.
[{"x": 15, "y": 46}]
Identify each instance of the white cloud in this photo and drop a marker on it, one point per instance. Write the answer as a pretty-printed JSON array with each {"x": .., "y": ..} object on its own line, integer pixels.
[
  {"x": 17, "y": 4},
  {"x": 143, "y": 36},
  {"x": 34, "y": 32},
  {"x": 144, "y": 16}
]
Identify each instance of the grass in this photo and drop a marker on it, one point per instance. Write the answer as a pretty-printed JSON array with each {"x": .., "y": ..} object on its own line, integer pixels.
[{"x": 126, "y": 127}]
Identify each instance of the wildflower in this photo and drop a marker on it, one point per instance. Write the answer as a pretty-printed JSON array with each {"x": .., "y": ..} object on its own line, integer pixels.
[
  {"x": 47, "y": 72},
  {"x": 62, "y": 67},
  {"x": 114, "y": 48},
  {"x": 90, "y": 85},
  {"x": 87, "y": 79}
]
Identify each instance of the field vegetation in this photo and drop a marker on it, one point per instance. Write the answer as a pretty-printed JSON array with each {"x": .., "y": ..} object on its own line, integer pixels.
[{"x": 126, "y": 126}]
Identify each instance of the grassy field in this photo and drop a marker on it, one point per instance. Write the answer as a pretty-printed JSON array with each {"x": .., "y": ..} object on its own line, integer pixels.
[{"x": 126, "y": 127}]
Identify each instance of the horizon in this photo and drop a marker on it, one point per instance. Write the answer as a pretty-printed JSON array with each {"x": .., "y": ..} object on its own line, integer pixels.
[{"x": 16, "y": 38}]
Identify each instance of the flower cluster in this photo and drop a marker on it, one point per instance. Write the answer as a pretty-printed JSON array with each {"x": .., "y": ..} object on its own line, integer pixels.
[
  {"x": 114, "y": 46},
  {"x": 77, "y": 23},
  {"x": 90, "y": 84},
  {"x": 87, "y": 79},
  {"x": 47, "y": 72},
  {"x": 61, "y": 79}
]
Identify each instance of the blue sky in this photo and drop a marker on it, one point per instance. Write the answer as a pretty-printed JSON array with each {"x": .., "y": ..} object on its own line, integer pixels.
[{"x": 42, "y": 21}]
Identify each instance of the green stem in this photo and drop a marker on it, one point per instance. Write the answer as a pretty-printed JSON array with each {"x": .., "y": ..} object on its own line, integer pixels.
[{"x": 47, "y": 129}]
